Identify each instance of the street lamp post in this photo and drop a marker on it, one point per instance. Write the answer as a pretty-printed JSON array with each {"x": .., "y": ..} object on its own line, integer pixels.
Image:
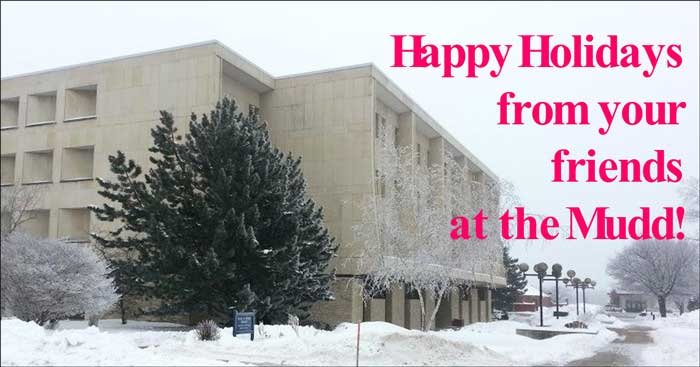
[
  {"x": 541, "y": 274},
  {"x": 587, "y": 283},
  {"x": 577, "y": 284},
  {"x": 556, "y": 273}
]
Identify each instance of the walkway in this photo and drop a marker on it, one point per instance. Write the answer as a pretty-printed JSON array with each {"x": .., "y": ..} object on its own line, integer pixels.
[{"x": 622, "y": 351}]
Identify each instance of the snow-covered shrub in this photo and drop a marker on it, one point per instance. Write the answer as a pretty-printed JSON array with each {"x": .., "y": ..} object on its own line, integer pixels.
[
  {"x": 261, "y": 331},
  {"x": 576, "y": 325},
  {"x": 293, "y": 321},
  {"x": 51, "y": 325},
  {"x": 45, "y": 279},
  {"x": 207, "y": 330}
]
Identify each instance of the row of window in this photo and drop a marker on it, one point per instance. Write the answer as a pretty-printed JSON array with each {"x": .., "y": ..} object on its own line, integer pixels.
[
  {"x": 73, "y": 224},
  {"x": 76, "y": 164},
  {"x": 80, "y": 104},
  {"x": 411, "y": 293},
  {"x": 380, "y": 124}
]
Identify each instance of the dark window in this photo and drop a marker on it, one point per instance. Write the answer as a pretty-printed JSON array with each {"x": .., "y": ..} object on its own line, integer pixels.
[
  {"x": 411, "y": 293},
  {"x": 379, "y": 124},
  {"x": 376, "y": 293},
  {"x": 464, "y": 292}
]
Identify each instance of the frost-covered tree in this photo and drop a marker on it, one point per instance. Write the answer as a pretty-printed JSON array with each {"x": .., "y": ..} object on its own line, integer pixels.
[
  {"x": 16, "y": 206},
  {"x": 658, "y": 267},
  {"x": 404, "y": 234},
  {"x": 689, "y": 192},
  {"x": 48, "y": 280},
  {"x": 221, "y": 220}
]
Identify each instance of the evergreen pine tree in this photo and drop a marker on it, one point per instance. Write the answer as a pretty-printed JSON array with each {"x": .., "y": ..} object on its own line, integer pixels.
[
  {"x": 515, "y": 283},
  {"x": 221, "y": 220}
]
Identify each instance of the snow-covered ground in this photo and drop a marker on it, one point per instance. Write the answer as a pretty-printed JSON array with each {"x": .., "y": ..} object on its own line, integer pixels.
[
  {"x": 142, "y": 343},
  {"x": 676, "y": 341}
]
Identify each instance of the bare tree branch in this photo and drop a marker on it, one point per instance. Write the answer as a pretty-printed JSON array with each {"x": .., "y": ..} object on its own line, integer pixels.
[
  {"x": 18, "y": 203},
  {"x": 661, "y": 268}
]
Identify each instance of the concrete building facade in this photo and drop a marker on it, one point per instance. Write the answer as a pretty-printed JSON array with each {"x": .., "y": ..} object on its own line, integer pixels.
[{"x": 59, "y": 126}]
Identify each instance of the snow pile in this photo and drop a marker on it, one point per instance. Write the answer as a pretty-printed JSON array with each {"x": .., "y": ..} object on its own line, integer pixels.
[
  {"x": 687, "y": 320},
  {"x": 25, "y": 343},
  {"x": 610, "y": 321},
  {"x": 676, "y": 341},
  {"x": 500, "y": 337}
]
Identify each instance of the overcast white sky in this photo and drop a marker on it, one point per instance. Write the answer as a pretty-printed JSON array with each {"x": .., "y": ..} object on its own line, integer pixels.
[{"x": 291, "y": 38}]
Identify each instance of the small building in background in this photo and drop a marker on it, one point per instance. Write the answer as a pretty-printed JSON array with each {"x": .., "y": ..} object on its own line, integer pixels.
[
  {"x": 529, "y": 301},
  {"x": 632, "y": 301}
]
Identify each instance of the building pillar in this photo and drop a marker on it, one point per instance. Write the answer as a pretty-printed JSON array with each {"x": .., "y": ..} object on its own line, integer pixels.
[
  {"x": 357, "y": 302},
  {"x": 396, "y": 306},
  {"x": 473, "y": 305},
  {"x": 465, "y": 311},
  {"x": 455, "y": 304},
  {"x": 489, "y": 304},
  {"x": 429, "y": 298},
  {"x": 482, "y": 305},
  {"x": 377, "y": 309}
]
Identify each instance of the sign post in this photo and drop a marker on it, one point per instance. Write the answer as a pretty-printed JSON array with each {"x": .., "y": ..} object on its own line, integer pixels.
[{"x": 244, "y": 323}]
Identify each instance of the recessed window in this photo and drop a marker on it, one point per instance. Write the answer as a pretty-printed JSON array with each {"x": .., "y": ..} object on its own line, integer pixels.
[
  {"x": 74, "y": 224},
  {"x": 7, "y": 169},
  {"x": 81, "y": 103},
  {"x": 476, "y": 176},
  {"x": 41, "y": 108},
  {"x": 38, "y": 167},
  {"x": 379, "y": 125},
  {"x": 37, "y": 223},
  {"x": 253, "y": 110},
  {"x": 9, "y": 113},
  {"x": 77, "y": 163}
]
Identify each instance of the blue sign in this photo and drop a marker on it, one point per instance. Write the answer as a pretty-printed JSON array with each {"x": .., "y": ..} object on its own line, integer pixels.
[{"x": 244, "y": 323}]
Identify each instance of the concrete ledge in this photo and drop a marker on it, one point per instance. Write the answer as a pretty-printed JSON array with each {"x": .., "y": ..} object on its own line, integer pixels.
[{"x": 545, "y": 333}]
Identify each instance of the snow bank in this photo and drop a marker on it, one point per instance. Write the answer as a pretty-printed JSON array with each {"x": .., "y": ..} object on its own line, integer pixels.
[
  {"x": 25, "y": 343},
  {"x": 676, "y": 341},
  {"x": 501, "y": 338}
]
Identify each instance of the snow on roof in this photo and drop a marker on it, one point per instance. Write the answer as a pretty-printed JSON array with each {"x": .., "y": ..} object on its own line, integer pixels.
[
  {"x": 534, "y": 291},
  {"x": 623, "y": 292}
]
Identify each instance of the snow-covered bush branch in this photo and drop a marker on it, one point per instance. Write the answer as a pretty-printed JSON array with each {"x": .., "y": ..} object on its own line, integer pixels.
[{"x": 45, "y": 280}]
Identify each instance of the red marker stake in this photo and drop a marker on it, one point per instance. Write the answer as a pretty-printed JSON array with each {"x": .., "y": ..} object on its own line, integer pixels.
[{"x": 357, "y": 356}]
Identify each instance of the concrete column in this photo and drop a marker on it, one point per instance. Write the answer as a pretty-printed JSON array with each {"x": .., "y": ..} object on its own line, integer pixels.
[
  {"x": 489, "y": 304},
  {"x": 429, "y": 298},
  {"x": 465, "y": 312},
  {"x": 455, "y": 304},
  {"x": 377, "y": 309},
  {"x": 357, "y": 302},
  {"x": 396, "y": 306},
  {"x": 473, "y": 305}
]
